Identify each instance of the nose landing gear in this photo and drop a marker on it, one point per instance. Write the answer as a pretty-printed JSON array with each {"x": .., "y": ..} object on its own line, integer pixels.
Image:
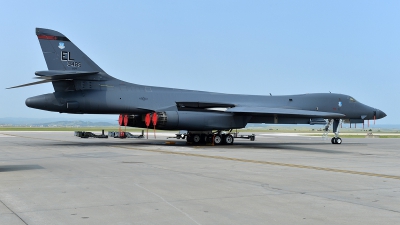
[{"x": 335, "y": 123}]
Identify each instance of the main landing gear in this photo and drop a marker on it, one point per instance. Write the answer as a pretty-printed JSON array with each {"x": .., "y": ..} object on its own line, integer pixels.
[
  {"x": 335, "y": 123},
  {"x": 213, "y": 138},
  {"x": 208, "y": 137}
]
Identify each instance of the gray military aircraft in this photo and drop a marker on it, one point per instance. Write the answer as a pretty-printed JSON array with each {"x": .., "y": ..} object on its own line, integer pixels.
[{"x": 81, "y": 86}]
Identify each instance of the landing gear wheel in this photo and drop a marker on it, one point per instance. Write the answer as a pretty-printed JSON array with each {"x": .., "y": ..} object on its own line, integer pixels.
[
  {"x": 209, "y": 138},
  {"x": 337, "y": 140},
  {"x": 196, "y": 139},
  {"x": 228, "y": 139},
  {"x": 217, "y": 139}
]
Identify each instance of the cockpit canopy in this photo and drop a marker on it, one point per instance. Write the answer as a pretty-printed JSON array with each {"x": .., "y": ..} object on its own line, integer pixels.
[{"x": 352, "y": 100}]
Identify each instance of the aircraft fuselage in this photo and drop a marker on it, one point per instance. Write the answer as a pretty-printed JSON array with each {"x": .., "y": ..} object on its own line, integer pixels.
[{"x": 113, "y": 96}]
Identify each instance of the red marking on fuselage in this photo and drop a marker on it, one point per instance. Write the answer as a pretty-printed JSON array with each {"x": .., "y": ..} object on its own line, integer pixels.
[{"x": 47, "y": 37}]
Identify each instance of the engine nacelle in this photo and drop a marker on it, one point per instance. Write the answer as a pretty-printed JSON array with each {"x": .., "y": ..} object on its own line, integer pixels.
[{"x": 191, "y": 120}]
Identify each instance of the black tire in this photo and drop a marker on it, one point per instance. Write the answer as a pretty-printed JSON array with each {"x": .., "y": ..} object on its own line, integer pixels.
[
  {"x": 338, "y": 141},
  {"x": 333, "y": 140},
  {"x": 217, "y": 139},
  {"x": 189, "y": 138},
  {"x": 196, "y": 139},
  {"x": 209, "y": 138},
  {"x": 203, "y": 138},
  {"x": 223, "y": 139},
  {"x": 228, "y": 139}
]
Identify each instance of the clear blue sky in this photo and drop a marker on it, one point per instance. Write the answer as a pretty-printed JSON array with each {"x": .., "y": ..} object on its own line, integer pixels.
[{"x": 247, "y": 47}]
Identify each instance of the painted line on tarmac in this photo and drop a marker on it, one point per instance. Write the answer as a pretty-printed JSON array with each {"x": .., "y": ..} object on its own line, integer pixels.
[
  {"x": 5, "y": 136},
  {"x": 239, "y": 160},
  {"x": 265, "y": 162}
]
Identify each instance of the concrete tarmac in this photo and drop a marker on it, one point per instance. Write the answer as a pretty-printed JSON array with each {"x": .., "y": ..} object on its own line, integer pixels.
[{"x": 56, "y": 178}]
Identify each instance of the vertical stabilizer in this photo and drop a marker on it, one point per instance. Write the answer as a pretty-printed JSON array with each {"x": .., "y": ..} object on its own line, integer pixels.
[{"x": 61, "y": 54}]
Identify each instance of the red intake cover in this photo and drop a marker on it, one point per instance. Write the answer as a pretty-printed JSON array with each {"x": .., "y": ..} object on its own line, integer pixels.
[
  {"x": 126, "y": 120},
  {"x": 120, "y": 119},
  {"x": 147, "y": 119},
  {"x": 154, "y": 119}
]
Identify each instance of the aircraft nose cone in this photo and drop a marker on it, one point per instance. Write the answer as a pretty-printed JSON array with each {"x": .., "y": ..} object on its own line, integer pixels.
[{"x": 380, "y": 114}]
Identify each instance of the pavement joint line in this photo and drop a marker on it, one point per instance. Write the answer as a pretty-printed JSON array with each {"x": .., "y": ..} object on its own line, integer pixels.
[
  {"x": 13, "y": 212},
  {"x": 241, "y": 160}
]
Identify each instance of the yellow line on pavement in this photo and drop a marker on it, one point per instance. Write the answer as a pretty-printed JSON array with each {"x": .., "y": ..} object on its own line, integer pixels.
[{"x": 265, "y": 162}]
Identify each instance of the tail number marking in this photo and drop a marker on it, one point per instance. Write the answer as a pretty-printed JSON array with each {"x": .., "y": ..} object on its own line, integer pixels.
[{"x": 66, "y": 56}]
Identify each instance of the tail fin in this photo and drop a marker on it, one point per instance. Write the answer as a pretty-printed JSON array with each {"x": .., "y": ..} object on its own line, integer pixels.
[{"x": 61, "y": 54}]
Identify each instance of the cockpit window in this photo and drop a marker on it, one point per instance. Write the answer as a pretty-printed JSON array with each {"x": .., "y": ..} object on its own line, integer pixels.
[{"x": 352, "y": 99}]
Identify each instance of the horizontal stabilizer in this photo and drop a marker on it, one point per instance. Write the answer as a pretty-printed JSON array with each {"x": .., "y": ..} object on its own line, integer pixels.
[
  {"x": 29, "y": 84},
  {"x": 284, "y": 111},
  {"x": 58, "y": 75},
  {"x": 62, "y": 74}
]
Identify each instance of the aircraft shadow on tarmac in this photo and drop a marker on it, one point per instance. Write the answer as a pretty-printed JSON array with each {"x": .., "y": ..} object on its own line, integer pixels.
[
  {"x": 307, "y": 147},
  {"x": 10, "y": 168}
]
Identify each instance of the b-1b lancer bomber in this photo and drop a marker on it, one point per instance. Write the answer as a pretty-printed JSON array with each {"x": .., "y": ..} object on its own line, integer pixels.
[{"x": 81, "y": 86}]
